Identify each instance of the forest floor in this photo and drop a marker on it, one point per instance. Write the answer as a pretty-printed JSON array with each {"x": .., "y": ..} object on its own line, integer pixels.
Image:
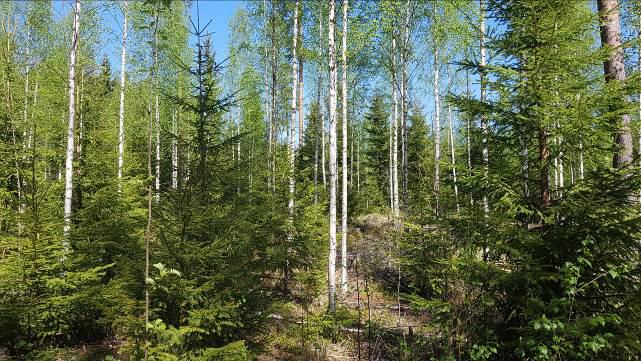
[{"x": 371, "y": 322}]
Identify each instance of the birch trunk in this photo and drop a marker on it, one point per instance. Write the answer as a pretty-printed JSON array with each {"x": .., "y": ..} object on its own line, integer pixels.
[
  {"x": 525, "y": 167},
  {"x": 157, "y": 109},
  {"x": 174, "y": 151},
  {"x": 395, "y": 208},
  {"x": 452, "y": 157},
  {"x": 267, "y": 95},
  {"x": 319, "y": 118},
  {"x": 581, "y": 170},
  {"x": 405, "y": 99},
  {"x": 121, "y": 114},
  {"x": 148, "y": 234},
  {"x": 332, "y": 158},
  {"x": 323, "y": 146},
  {"x": 292, "y": 132},
  {"x": 300, "y": 79},
  {"x": 272, "y": 120},
  {"x": 437, "y": 130},
  {"x": 344, "y": 157},
  {"x": 614, "y": 69},
  {"x": 70, "y": 128},
  {"x": 484, "y": 125}
]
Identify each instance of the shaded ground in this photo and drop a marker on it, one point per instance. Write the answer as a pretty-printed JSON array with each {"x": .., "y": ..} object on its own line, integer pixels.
[{"x": 370, "y": 319}]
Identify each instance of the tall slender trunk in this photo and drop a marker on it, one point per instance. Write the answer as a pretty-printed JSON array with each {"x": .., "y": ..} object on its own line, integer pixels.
[
  {"x": 614, "y": 69},
  {"x": 300, "y": 77},
  {"x": 272, "y": 119},
  {"x": 292, "y": 132},
  {"x": 405, "y": 99},
  {"x": 267, "y": 96},
  {"x": 174, "y": 151},
  {"x": 344, "y": 157},
  {"x": 484, "y": 125},
  {"x": 525, "y": 168},
  {"x": 323, "y": 146},
  {"x": 544, "y": 157},
  {"x": 437, "y": 130},
  {"x": 157, "y": 104},
  {"x": 121, "y": 114},
  {"x": 358, "y": 163},
  {"x": 452, "y": 156},
  {"x": 581, "y": 169},
  {"x": 319, "y": 116},
  {"x": 394, "y": 144},
  {"x": 560, "y": 157},
  {"x": 332, "y": 157},
  {"x": 70, "y": 127},
  {"x": 390, "y": 169},
  {"x": 148, "y": 234}
]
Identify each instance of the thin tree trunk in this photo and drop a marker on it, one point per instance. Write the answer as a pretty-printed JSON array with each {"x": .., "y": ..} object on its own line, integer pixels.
[
  {"x": 614, "y": 69},
  {"x": 300, "y": 78},
  {"x": 332, "y": 157},
  {"x": 391, "y": 167},
  {"x": 437, "y": 131},
  {"x": 70, "y": 128},
  {"x": 452, "y": 156},
  {"x": 157, "y": 113},
  {"x": 344, "y": 157},
  {"x": 267, "y": 95},
  {"x": 525, "y": 167},
  {"x": 484, "y": 125},
  {"x": 319, "y": 116},
  {"x": 396, "y": 207},
  {"x": 121, "y": 114},
  {"x": 581, "y": 169},
  {"x": 544, "y": 156},
  {"x": 174, "y": 151},
  {"x": 272, "y": 120},
  {"x": 148, "y": 234},
  {"x": 405, "y": 99},
  {"x": 323, "y": 161},
  {"x": 292, "y": 132}
]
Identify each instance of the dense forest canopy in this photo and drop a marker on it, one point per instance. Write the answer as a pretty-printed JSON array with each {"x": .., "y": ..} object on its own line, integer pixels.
[{"x": 363, "y": 180}]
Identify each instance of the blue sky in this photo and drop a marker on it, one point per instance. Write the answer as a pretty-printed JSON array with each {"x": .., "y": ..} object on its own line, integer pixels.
[{"x": 219, "y": 11}]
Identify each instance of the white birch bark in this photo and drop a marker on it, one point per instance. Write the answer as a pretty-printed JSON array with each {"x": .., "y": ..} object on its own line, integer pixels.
[
  {"x": 174, "y": 151},
  {"x": 121, "y": 114},
  {"x": 581, "y": 170},
  {"x": 437, "y": 130},
  {"x": 319, "y": 119},
  {"x": 157, "y": 108},
  {"x": 70, "y": 127},
  {"x": 484, "y": 126},
  {"x": 332, "y": 157},
  {"x": 292, "y": 132},
  {"x": 344, "y": 157},
  {"x": 452, "y": 156},
  {"x": 267, "y": 95},
  {"x": 300, "y": 78},
  {"x": 394, "y": 143}
]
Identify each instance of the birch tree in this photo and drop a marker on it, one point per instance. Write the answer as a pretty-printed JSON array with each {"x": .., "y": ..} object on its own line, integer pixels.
[
  {"x": 484, "y": 126},
  {"x": 437, "y": 129},
  {"x": 121, "y": 113},
  {"x": 333, "y": 169},
  {"x": 344, "y": 157},
  {"x": 394, "y": 131},
  {"x": 70, "y": 125},
  {"x": 292, "y": 133}
]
